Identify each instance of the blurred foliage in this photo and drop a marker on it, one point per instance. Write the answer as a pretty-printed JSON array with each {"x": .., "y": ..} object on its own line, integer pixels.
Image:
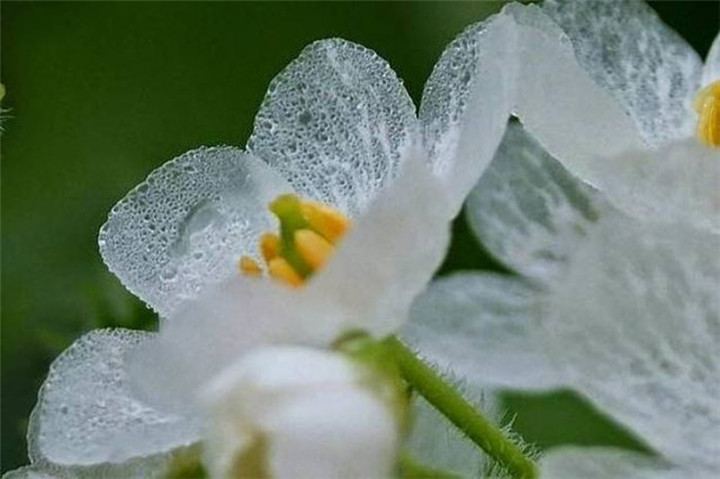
[{"x": 102, "y": 93}]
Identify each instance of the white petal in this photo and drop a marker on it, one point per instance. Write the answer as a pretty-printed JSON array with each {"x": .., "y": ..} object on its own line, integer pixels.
[
  {"x": 635, "y": 325},
  {"x": 466, "y": 102},
  {"x": 279, "y": 369},
  {"x": 335, "y": 123},
  {"x": 333, "y": 434},
  {"x": 483, "y": 327},
  {"x": 680, "y": 183},
  {"x": 437, "y": 443},
  {"x": 311, "y": 409},
  {"x": 711, "y": 72},
  {"x": 643, "y": 63},
  {"x": 388, "y": 257},
  {"x": 572, "y": 117},
  {"x": 188, "y": 223},
  {"x": 528, "y": 211},
  {"x": 207, "y": 335},
  {"x": 86, "y": 414},
  {"x": 605, "y": 463}
]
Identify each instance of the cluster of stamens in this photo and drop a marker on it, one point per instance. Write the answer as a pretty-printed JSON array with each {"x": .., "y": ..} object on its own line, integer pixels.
[
  {"x": 309, "y": 232},
  {"x": 707, "y": 105}
]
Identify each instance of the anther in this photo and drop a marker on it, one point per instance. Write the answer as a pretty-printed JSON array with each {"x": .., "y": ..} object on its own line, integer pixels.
[
  {"x": 707, "y": 105},
  {"x": 281, "y": 270},
  {"x": 313, "y": 248},
  {"x": 270, "y": 246},
  {"x": 249, "y": 266},
  {"x": 325, "y": 220}
]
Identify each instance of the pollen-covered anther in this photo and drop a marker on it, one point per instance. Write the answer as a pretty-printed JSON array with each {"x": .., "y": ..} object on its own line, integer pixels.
[
  {"x": 270, "y": 246},
  {"x": 707, "y": 105},
  {"x": 308, "y": 233},
  {"x": 281, "y": 270},
  {"x": 326, "y": 220},
  {"x": 313, "y": 248},
  {"x": 249, "y": 267}
]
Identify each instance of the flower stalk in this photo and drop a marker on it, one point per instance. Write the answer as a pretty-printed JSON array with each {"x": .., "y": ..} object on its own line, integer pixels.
[{"x": 449, "y": 402}]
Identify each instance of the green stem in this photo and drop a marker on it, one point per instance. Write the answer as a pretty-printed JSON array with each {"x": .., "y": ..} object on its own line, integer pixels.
[
  {"x": 409, "y": 468},
  {"x": 446, "y": 399}
]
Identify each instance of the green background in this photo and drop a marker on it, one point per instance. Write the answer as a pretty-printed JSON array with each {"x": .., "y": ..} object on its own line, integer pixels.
[{"x": 102, "y": 93}]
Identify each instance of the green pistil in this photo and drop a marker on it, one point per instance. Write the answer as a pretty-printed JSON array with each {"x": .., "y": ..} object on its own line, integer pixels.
[{"x": 288, "y": 210}]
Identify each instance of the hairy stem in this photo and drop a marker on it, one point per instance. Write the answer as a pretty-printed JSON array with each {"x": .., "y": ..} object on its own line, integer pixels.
[
  {"x": 449, "y": 402},
  {"x": 409, "y": 468}
]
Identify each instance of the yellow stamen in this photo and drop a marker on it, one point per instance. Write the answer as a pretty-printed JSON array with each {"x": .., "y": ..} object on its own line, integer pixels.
[
  {"x": 313, "y": 248},
  {"x": 304, "y": 243},
  {"x": 281, "y": 270},
  {"x": 327, "y": 221},
  {"x": 270, "y": 246},
  {"x": 707, "y": 105},
  {"x": 249, "y": 266}
]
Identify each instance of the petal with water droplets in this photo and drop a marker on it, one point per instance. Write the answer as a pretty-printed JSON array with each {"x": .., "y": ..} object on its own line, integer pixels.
[
  {"x": 336, "y": 124},
  {"x": 188, "y": 223}
]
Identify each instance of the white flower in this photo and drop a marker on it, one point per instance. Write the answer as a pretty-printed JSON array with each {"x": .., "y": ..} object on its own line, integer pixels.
[
  {"x": 336, "y": 127},
  {"x": 616, "y": 96},
  {"x": 659, "y": 82},
  {"x": 625, "y": 312}
]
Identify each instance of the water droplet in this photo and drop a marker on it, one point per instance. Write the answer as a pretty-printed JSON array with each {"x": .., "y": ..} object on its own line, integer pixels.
[
  {"x": 169, "y": 273},
  {"x": 199, "y": 219},
  {"x": 305, "y": 118}
]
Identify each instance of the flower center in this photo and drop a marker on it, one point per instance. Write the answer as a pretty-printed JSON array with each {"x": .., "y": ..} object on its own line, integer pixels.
[
  {"x": 707, "y": 104},
  {"x": 309, "y": 232}
]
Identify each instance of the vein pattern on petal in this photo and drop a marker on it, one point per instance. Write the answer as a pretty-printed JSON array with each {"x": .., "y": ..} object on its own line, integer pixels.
[
  {"x": 635, "y": 325},
  {"x": 336, "y": 124},
  {"x": 466, "y": 102},
  {"x": 528, "y": 210},
  {"x": 643, "y": 63},
  {"x": 483, "y": 327}
]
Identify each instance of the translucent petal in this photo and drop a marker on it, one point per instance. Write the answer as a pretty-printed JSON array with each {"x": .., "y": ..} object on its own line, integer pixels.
[
  {"x": 29, "y": 472},
  {"x": 388, "y": 257},
  {"x": 635, "y": 325},
  {"x": 156, "y": 466},
  {"x": 335, "y": 124},
  {"x": 604, "y": 463},
  {"x": 87, "y": 415},
  {"x": 680, "y": 183},
  {"x": 528, "y": 210},
  {"x": 188, "y": 223},
  {"x": 436, "y": 443},
  {"x": 483, "y": 328},
  {"x": 573, "y": 118},
  {"x": 711, "y": 72},
  {"x": 647, "y": 67},
  {"x": 466, "y": 102}
]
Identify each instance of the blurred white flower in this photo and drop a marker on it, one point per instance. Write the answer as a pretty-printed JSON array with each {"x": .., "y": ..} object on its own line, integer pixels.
[
  {"x": 632, "y": 323},
  {"x": 338, "y": 141},
  {"x": 626, "y": 105},
  {"x": 623, "y": 311}
]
